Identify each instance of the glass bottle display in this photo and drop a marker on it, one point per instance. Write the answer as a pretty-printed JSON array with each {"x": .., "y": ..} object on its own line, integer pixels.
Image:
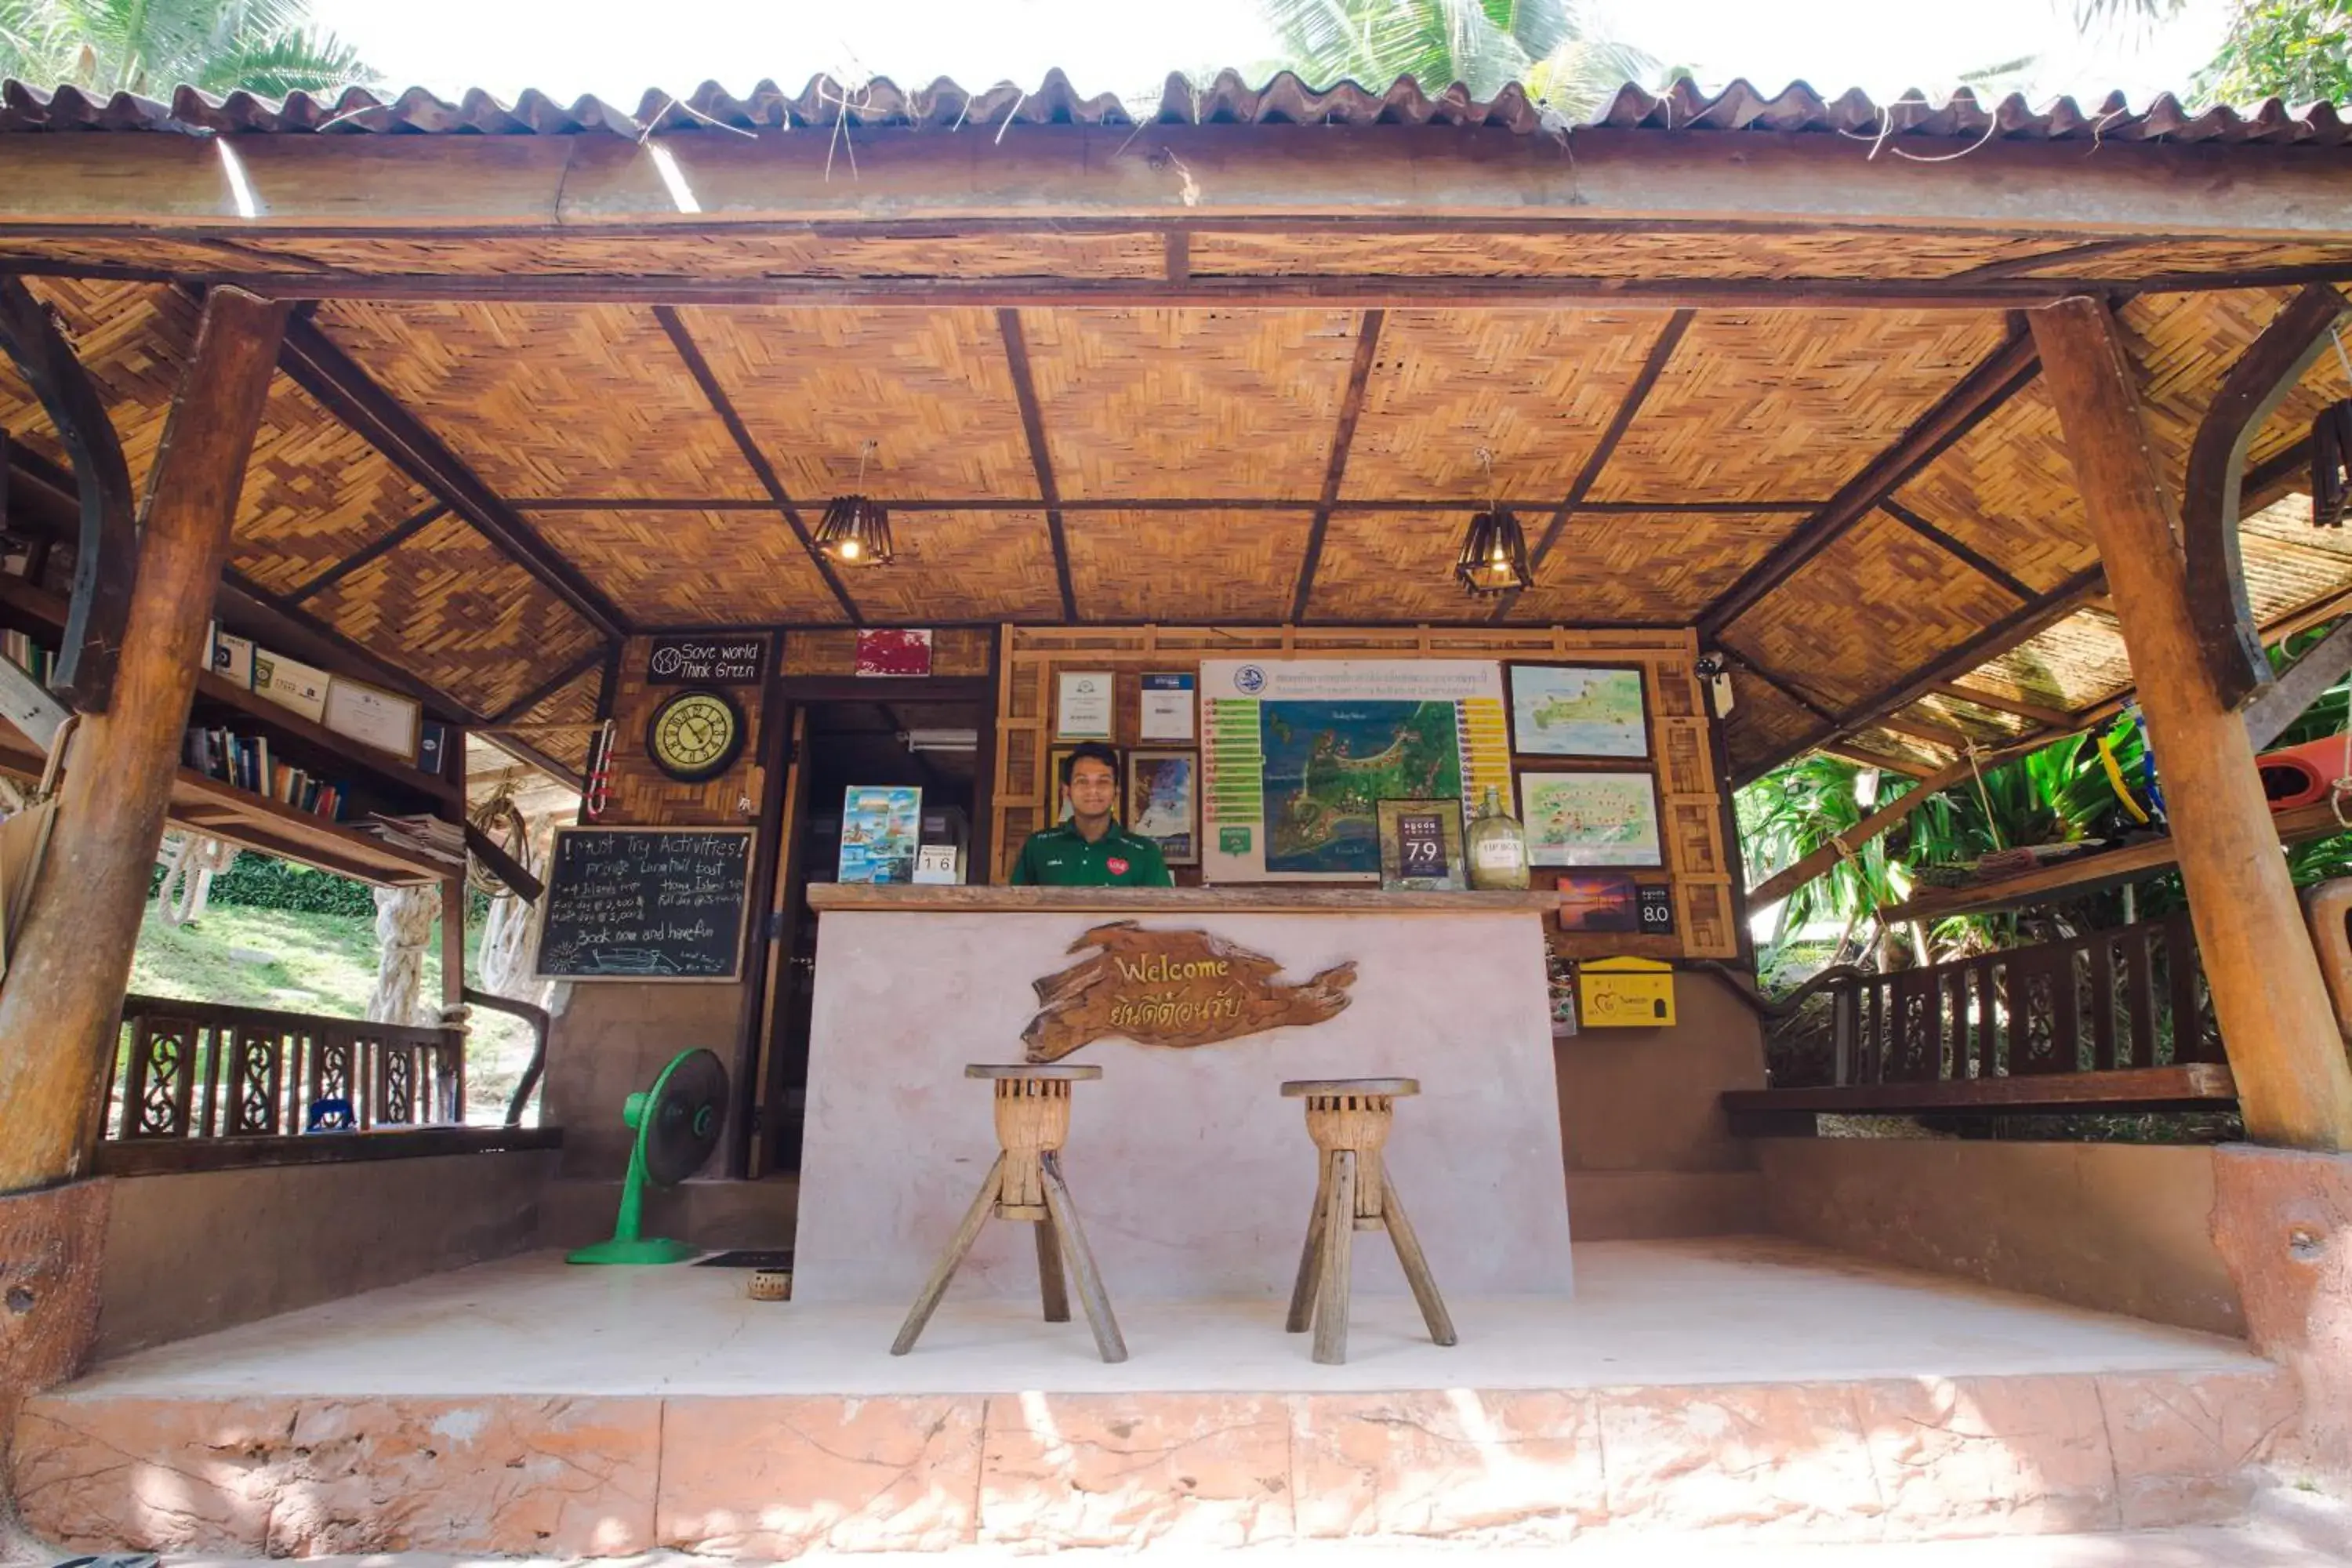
[{"x": 1497, "y": 848}]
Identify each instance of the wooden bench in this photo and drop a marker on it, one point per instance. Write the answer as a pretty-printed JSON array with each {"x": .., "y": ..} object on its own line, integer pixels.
[{"x": 1791, "y": 1112}]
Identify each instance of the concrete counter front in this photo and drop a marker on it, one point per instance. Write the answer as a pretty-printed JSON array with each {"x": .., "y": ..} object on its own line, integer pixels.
[{"x": 1192, "y": 1175}]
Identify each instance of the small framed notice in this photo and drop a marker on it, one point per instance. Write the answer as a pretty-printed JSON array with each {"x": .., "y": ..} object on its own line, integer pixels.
[
  {"x": 935, "y": 865},
  {"x": 1082, "y": 708},
  {"x": 1421, "y": 844},
  {"x": 1169, "y": 707},
  {"x": 373, "y": 717}
]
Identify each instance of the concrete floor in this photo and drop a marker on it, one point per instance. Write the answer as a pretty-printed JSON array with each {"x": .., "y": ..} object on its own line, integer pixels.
[{"x": 1722, "y": 1311}]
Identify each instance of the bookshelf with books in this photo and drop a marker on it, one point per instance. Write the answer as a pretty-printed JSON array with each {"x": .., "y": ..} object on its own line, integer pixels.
[{"x": 260, "y": 775}]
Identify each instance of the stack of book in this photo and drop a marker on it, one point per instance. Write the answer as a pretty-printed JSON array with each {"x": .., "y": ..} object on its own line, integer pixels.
[
  {"x": 432, "y": 837},
  {"x": 245, "y": 761},
  {"x": 27, "y": 655}
]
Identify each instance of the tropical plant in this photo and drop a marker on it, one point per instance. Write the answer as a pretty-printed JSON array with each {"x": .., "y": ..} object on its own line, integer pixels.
[
  {"x": 2300, "y": 50},
  {"x": 151, "y": 47},
  {"x": 1548, "y": 45}
]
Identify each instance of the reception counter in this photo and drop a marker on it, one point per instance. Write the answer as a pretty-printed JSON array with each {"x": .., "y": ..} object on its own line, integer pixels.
[{"x": 1193, "y": 1176}]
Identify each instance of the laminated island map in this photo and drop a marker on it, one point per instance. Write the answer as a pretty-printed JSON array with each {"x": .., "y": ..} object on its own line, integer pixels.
[{"x": 1298, "y": 754}]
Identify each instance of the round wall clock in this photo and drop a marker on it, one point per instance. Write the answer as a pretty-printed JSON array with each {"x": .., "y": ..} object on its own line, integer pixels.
[{"x": 696, "y": 735}]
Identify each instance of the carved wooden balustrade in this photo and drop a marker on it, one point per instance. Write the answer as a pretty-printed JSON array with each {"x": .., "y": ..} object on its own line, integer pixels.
[
  {"x": 2132, "y": 998},
  {"x": 200, "y": 1069}
]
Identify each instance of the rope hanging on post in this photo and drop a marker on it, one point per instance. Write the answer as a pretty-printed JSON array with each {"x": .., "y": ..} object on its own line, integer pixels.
[{"x": 190, "y": 861}]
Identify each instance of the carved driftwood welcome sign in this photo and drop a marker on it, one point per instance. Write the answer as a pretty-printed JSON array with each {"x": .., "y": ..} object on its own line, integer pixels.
[{"x": 1172, "y": 988}]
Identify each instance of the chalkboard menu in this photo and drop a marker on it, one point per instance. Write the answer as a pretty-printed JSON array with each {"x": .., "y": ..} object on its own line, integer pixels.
[{"x": 646, "y": 903}]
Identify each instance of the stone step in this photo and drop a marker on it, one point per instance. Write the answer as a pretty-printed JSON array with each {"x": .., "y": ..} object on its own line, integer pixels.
[{"x": 770, "y": 1476}]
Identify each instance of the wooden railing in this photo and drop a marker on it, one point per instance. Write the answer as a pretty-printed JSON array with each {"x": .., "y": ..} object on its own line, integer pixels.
[
  {"x": 2114, "y": 1000},
  {"x": 199, "y": 1070}
]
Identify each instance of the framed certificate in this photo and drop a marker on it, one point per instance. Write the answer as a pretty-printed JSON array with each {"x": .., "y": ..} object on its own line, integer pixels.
[
  {"x": 1421, "y": 844},
  {"x": 373, "y": 717}
]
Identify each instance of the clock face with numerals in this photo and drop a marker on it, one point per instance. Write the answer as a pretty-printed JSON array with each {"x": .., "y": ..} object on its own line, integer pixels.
[{"x": 696, "y": 735}]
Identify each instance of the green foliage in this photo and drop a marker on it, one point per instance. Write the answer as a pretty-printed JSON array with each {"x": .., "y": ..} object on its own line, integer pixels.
[
  {"x": 1482, "y": 43},
  {"x": 2060, "y": 794},
  {"x": 151, "y": 47},
  {"x": 2300, "y": 50},
  {"x": 265, "y": 882}
]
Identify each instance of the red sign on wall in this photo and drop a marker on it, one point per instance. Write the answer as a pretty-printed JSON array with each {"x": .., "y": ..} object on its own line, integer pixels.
[{"x": 894, "y": 651}]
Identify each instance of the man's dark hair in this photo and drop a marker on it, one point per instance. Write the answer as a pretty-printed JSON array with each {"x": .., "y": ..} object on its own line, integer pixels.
[{"x": 1094, "y": 749}]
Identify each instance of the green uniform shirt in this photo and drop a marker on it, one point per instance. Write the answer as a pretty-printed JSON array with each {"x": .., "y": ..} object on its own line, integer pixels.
[{"x": 1060, "y": 857}]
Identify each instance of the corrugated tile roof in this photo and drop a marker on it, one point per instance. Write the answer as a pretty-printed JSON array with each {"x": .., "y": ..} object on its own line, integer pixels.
[{"x": 1227, "y": 100}]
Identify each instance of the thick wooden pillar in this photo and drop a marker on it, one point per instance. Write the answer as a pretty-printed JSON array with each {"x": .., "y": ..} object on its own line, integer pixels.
[
  {"x": 63, "y": 991},
  {"x": 2293, "y": 1082}
]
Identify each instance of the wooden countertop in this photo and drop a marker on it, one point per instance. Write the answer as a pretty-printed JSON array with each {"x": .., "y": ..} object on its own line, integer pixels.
[{"x": 1238, "y": 900}]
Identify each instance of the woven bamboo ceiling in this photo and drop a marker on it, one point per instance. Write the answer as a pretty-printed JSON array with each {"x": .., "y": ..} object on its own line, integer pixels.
[{"x": 1825, "y": 444}]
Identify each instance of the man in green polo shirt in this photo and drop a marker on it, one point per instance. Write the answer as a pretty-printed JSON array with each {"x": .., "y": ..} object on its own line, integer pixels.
[{"x": 1090, "y": 850}]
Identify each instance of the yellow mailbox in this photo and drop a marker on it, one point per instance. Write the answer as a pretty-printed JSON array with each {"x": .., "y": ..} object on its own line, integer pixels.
[{"x": 1626, "y": 993}]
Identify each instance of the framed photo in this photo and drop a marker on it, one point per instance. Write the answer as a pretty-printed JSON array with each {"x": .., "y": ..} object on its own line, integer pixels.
[
  {"x": 1599, "y": 901},
  {"x": 1591, "y": 819},
  {"x": 1053, "y": 795},
  {"x": 1579, "y": 711},
  {"x": 1421, "y": 844},
  {"x": 1162, "y": 802}
]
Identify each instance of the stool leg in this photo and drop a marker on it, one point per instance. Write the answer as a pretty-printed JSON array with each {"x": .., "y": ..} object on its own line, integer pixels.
[
  {"x": 1091, "y": 1294},
  {"x": 1416, "y": 1266},
  {"x": 1339, "y": 1257},
  {"x": 936, "y": 1286},
  {"x": 1049, "y": 1273},
  {"x": 1310, "y": 1256}
]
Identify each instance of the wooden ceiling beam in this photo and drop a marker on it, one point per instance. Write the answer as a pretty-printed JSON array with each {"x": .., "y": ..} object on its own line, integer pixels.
[
  {"x": 1654, "y": 366},
  {"x": 689, "y": 353},
  {"x": 2011, "y": 266},
  {"x": 324, "y": 370},
  {"x": 1183, "y": 503},
  {"x": 1321, "y": 291},
  {"x": 106, "y": 555},
  {"x": 383, "y": 544},
  {"x": 1335, "y": 468},
  {"x": 2004, "y": 634},
  {"x": 1864, "y": 757},
  {"x": 1998, "y": 703},
  {"x": 1984, "y": 389},
  {"x": 2009, "y": 583},
  {"x": 514, "y": 709},
  {"x": 2213, "y": 498},
  {"x": 1162, "y": 174},
  {"x": 1033, "y": 425}
]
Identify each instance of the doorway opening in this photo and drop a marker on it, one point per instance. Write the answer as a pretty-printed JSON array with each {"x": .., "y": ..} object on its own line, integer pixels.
[{"x": 909, "y": 738}]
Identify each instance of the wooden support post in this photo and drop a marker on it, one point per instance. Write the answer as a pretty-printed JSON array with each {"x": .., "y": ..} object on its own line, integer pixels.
[
  {"x": 63, "y": 993},
  {"x": 2293, "y": 1085}
]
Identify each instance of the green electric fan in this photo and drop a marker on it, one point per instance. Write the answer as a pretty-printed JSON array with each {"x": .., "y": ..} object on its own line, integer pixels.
[{"x": 677, "y": 1122}]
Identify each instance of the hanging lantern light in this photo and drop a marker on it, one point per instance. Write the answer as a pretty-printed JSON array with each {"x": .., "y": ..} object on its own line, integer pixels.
[
  {"x": 855, "y": 531},
  {"x": 1493, "y": 558}
]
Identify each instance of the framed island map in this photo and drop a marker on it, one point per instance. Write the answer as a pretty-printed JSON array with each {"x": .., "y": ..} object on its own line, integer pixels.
[
  {"x": 1591, "y": 819},
  {"x": 1579, "y": 711},
  {"x": 1299, "y": 754}
]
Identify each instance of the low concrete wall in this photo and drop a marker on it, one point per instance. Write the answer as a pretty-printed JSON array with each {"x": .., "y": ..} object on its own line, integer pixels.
[
  {"x": 1642, "y": 1125},
  {"x": 189, "y": 1254},
  {"x": 2121, "y": 1227}
]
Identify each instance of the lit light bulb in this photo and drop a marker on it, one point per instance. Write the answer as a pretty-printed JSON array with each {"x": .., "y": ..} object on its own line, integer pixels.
[{"x": 849, "y": 550}]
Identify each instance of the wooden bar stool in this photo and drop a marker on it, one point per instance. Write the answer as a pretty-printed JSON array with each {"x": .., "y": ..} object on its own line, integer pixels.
[
  {"x": 1032, "y": 1121},
  {"x": 1349, "y": 1119}
]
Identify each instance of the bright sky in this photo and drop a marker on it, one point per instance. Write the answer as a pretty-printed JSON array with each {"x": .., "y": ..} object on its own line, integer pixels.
[{"x": 617, "y": 48}]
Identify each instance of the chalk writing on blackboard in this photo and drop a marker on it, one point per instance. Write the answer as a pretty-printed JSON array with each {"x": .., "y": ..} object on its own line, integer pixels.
[{"x": 646, "y": 903}]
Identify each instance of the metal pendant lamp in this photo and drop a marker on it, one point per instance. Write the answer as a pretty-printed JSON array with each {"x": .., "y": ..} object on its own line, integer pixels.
[
  {"x": 855, "y": 531},
  {"x": 1493, "y": 558}
]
